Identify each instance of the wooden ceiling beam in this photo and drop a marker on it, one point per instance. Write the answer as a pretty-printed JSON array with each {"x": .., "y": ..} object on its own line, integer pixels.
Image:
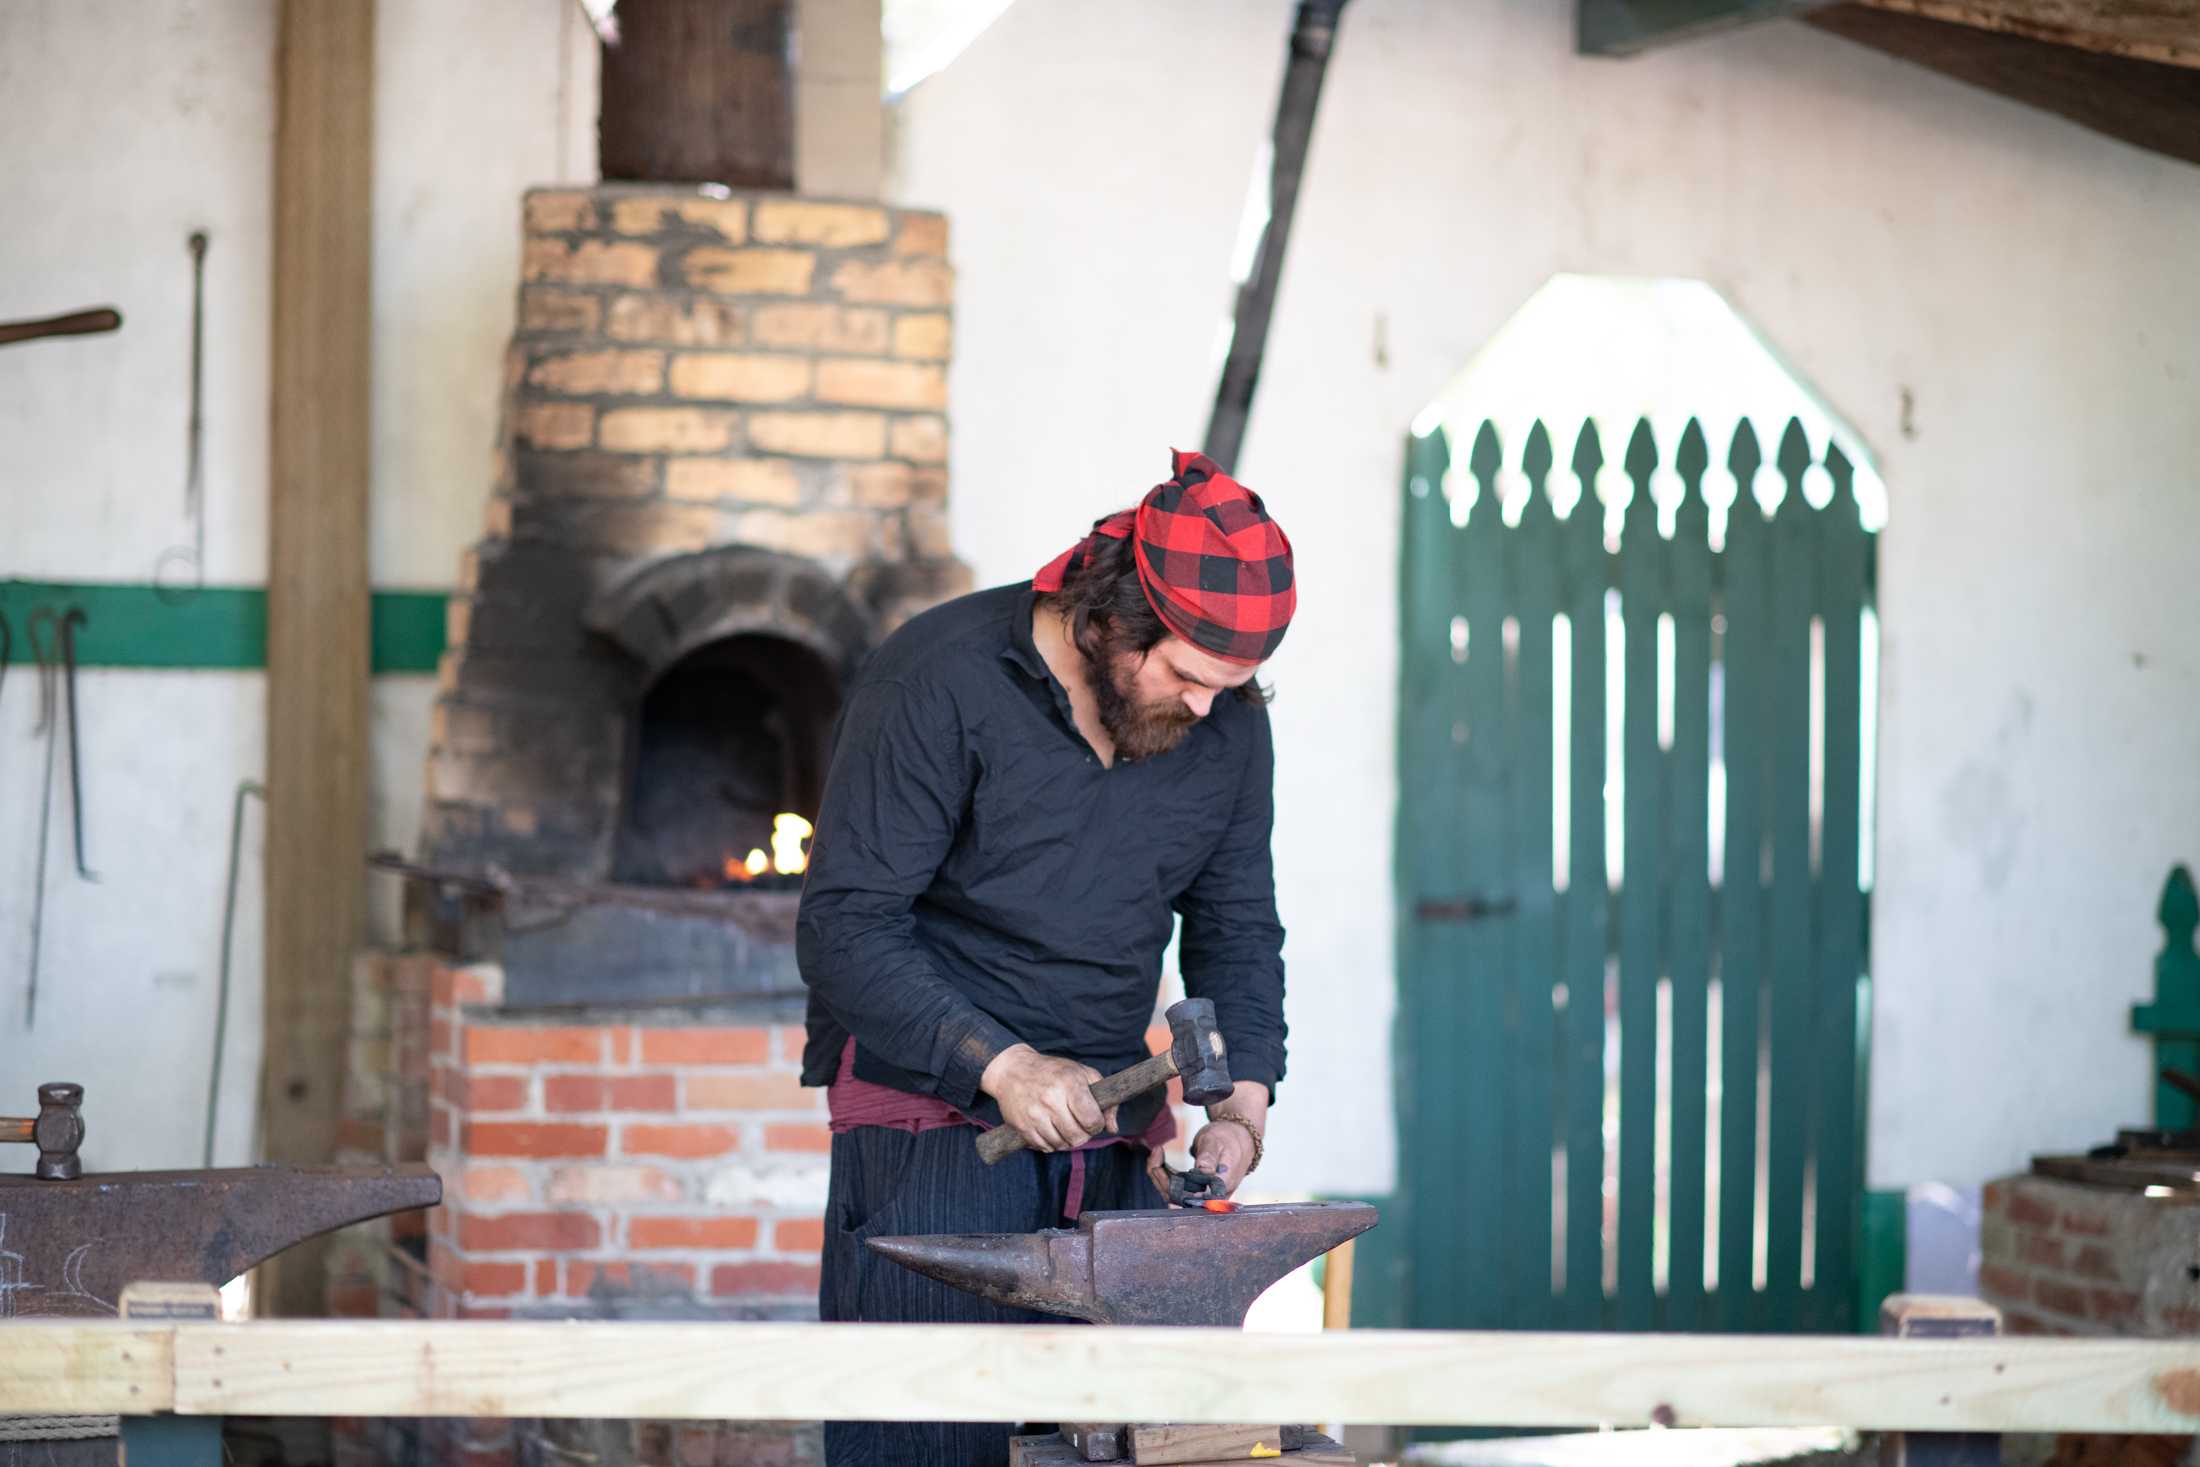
[
  {"x": 2151, "y": 104},
  {"x": 2164, "y": 31}
]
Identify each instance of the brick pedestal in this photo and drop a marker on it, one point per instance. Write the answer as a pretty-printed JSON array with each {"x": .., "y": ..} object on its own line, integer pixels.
[
  {"x": 2061, "y": 1258},
  {"x": 625, "y": 1167}
]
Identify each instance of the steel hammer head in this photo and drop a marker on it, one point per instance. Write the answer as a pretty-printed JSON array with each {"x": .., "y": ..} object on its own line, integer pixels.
[
  {"x": 1195, "y": 1045},
  {"x": 59, "y": 1131}
]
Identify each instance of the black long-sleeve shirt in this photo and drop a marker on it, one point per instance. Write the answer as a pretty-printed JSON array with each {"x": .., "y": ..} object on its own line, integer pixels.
[{"x": 978, "y": 877}]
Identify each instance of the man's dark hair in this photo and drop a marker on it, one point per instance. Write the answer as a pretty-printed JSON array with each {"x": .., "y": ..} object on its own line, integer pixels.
[{"x": 1108, "y": 611}]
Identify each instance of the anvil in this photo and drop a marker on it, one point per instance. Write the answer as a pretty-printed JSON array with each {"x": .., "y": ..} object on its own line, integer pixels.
[
  {"x": 68, "y": 1247},
  {"x": 1165, "y": 1266}
]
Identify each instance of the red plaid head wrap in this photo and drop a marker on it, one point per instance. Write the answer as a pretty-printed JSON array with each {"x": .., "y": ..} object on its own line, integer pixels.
[{"x": 1215, "y": 568}]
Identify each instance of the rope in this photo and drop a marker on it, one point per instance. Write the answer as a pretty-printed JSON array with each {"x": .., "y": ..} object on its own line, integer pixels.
[{"x": 57, "y": 1428}]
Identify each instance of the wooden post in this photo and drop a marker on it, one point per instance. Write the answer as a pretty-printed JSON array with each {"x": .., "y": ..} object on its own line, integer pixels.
[
  {"x": 165, "y": 1440},
  {"x": 1939, "y": 1317},
  {"x": 699, "y": 91},
  {"x": 1337, "y": 1287},
  {"x": 317, "y": 601}
]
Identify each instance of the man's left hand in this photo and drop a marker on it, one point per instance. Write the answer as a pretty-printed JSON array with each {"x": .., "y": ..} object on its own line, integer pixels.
[{"x": 1224, "y": 1149}]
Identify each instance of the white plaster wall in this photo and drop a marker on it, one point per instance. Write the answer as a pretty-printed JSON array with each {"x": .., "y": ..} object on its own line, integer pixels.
[
  {"x": 474, "y": 104},
  {"x": 129, "y": 969},
  {"x": 2029, "y": 285},
  {"x": 127, "y": 124},
  {"x": 126, "y": 127}
]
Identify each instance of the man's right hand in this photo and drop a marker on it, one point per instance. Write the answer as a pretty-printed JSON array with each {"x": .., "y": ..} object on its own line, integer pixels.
[{"x": 1045, "y": 1100}]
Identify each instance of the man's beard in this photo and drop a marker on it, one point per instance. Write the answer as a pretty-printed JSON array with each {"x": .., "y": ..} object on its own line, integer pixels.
[{"x": 1140, "y": 730}]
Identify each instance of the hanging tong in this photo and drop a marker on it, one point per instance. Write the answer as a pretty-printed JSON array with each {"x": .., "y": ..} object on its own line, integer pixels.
[
  {"x": 192, "y": 556},
  {"x": 53, "y": 647},
  {"x": 71, "y": 619},
  {"x": 43, "y": 624}
]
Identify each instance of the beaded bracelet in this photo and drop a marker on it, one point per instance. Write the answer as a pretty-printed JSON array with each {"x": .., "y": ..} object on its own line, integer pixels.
[{"x": 1250, "y": 1131}]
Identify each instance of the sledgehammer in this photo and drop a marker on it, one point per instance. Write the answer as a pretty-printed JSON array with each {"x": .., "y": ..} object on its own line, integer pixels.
[{"x": 1196, "y": 1053}]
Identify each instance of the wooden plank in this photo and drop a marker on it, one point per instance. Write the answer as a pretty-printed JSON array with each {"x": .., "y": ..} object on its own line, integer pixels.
[
  {"x": 1844, "y": 557},
  {"x": 1743, "y": 568},
  {"x": 2147, "y": 30},
  {"x": 1587, "y": 894},
  {"x": 1426, "y": 814},
  {"x": 317, "y": 598},
  {"x": 1478, "y": 1032},
  {"x": 1625, "y": 27},
  {"x": 1534, "y": 549},
  {"x": 1791, "y": 989},
  {"x": 65, "y": 1369},
  {"x": 2146, "y": 103},
  {"x": 1179, "y": 1442},
  {"x": 1642, "y": 575},
  {"x": 1688, "y": 881},
  {"x": 757, "y": 1371}
]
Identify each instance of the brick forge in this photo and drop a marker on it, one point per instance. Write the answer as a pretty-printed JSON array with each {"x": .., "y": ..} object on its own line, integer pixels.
[{"x": 724, "y": 414}]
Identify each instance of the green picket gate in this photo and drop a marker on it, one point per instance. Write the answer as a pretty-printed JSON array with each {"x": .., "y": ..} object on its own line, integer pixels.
[{"x": 1630, "y": 1091}]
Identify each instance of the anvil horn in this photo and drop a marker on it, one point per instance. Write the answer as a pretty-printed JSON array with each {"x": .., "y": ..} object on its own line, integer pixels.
[{"x": 1182, "y": 1267}]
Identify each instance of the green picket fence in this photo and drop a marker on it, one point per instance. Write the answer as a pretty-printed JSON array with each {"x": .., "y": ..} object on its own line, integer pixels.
[{"x": 1630, "y": 1090}]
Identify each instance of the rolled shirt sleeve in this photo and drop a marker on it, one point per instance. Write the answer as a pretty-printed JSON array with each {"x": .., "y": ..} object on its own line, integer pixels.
[
  {"x": 1231, "y": 946},
  {"x": 899, "y": 781}
]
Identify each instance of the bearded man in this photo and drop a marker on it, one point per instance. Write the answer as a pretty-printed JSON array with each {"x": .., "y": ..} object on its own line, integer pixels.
[{"x": 1028, "y": 786}]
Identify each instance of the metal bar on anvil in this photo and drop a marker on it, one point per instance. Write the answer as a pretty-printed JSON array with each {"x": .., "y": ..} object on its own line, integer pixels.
[{"x": 758, "y": 1372}]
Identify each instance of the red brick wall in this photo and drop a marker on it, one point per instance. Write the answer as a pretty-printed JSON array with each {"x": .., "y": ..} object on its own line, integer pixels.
[
  {"x": 2061, "y": 1258},
  {"x": 586, "y": 1164}
]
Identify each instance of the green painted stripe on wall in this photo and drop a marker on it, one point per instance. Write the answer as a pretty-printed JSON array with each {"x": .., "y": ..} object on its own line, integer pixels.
[
  {"x": 407, "y": 630},
  {"x": 213, "y": 627}
]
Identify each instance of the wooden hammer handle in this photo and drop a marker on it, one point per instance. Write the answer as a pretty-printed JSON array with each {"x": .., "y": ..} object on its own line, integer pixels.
[
  {"x": 18, "y": 1128},
  {"x": 1114, "y": 1090},
  {"x": 77, "y": 323}
]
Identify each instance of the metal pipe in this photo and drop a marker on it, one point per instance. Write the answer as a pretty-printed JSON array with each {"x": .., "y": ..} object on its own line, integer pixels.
[
  {"x": 1313, "y": 36},
  {"x": 245, "y": 788}
]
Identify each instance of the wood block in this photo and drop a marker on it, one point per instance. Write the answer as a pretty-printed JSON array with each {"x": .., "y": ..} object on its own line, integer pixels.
[
  {"x": 1042, "y": 1451},
  {"x": 1095, "y": 1441},
  {"x": 1202, "y": 1442}
]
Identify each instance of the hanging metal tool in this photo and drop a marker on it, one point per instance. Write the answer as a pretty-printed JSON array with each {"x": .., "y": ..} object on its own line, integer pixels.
[
  {"x": 192, "y": 556},
  {"x": 1313, "y": 34},
  {"x": 71, "y": 619},
  {"x": 76, "y": 323},
  {"x": 43, "y": 620},
  {"x": 245, "y": 789},
  {"x": 53, "y": 647}
]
